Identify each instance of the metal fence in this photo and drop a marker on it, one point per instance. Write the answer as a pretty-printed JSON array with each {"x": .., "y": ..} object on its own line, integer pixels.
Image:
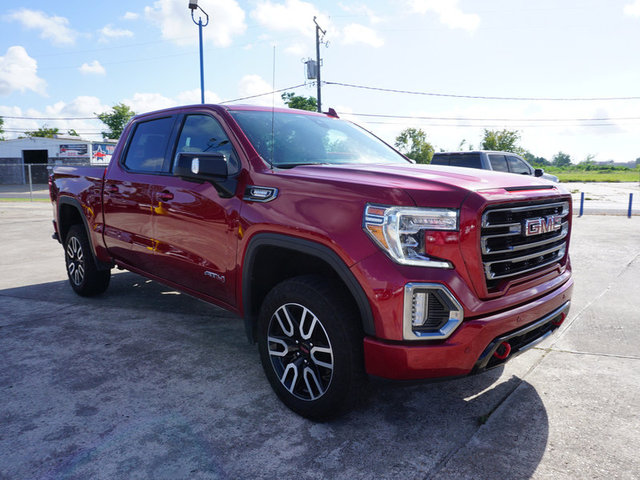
[{"x": 30, "y": 180}]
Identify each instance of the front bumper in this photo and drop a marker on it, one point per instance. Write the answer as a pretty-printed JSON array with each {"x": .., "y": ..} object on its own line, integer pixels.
[{"x": 471, "y": 347}]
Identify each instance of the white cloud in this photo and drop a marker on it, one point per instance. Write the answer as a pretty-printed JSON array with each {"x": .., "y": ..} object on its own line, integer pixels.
[
  {"x": 356, "y": 33},
  {"x": 19, "y": 72},
  {"x": 189, "y": 97},
  {"x": 361, "y": 10},
  {"x": 226, "y": 20},
  {"x": 83, "y": 107},
  {"x": 292, "y": 15},
  {"x": 131, "y": 16},
  {"x": 448, "y": 12},
  {"x": 53, "y": 28},
  {"x": 255, "y": 85},
  {"x": 109, "y": 32},
  {"x": 298, "y": 49},
  {"x": 632, "y": 9},
  {"x": 147, "y": 102},
  {"x": 93, "y": 68}
]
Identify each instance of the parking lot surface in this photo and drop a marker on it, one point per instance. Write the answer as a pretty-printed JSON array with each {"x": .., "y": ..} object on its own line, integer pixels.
[{"x": 145, "y": 382}]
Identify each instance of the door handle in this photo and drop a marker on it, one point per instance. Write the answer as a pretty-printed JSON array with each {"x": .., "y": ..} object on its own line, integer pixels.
[{"x": 165, "y": 196}]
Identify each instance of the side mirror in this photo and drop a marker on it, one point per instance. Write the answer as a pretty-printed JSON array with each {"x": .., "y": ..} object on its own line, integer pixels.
[
  {"x": 538, "y": 172},
  {"x": 201, "y": 167}
]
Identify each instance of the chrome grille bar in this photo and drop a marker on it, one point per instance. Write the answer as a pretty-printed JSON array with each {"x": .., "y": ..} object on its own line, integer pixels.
[{"x": 510, "y": 245}]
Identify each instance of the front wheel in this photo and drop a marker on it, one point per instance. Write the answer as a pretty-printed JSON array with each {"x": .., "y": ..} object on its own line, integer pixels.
[
  {"x": 84, "y": 276},
  {"x": 311, "y": 347}
]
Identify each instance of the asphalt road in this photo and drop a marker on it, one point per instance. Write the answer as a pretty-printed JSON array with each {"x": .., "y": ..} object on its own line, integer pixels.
[{"x": 144, "y": 382}]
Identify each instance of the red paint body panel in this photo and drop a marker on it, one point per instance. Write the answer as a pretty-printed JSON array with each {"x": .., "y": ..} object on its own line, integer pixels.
[
  {"x": 458, "y": 354},
  {"x": 187, "y": 235}
]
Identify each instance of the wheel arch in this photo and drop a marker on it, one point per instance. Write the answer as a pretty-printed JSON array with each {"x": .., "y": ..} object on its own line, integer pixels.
[
  {"x": 302, "y": 257},
  {"x": 70, "y": 213}
]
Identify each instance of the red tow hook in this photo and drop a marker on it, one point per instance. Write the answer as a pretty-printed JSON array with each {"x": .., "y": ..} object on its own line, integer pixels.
[
  {"x": 503, "y": 351},
  {"x": 558, "y": 321}
]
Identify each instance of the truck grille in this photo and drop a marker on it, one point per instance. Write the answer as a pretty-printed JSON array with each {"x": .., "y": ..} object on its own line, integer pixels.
[{"x": 516, "y": 240}]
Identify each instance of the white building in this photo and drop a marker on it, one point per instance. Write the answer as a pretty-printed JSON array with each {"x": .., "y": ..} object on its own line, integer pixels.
[{"x": 16, "y": 156}]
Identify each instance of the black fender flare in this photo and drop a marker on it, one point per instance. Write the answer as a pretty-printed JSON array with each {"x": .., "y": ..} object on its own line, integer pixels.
[
  {"x": 307, "y": 247},
  {"x": 75, "y": 204}
]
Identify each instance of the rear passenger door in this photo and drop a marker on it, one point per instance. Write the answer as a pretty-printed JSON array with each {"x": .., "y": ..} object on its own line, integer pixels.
[{"x": 130, "y": 189}]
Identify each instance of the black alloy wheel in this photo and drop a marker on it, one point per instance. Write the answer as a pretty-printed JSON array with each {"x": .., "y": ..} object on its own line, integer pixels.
[
  {"x": 84, "y": 276},
  {"x": 310, "y": 342}
]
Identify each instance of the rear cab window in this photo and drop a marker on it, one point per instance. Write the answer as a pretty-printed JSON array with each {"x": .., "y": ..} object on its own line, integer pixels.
[
  {"x": 467, "y": 160},
  {"x": 147, "y": 148}
]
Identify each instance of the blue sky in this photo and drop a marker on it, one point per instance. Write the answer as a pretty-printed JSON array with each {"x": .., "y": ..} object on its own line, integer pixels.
[{"x": 72, "y": 59}]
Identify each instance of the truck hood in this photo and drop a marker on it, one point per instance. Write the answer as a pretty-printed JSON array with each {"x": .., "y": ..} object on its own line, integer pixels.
[{"x": 428, "y": 184}]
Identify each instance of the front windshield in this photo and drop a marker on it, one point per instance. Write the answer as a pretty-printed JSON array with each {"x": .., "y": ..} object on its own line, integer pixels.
[{"x": 290, "y": 139}]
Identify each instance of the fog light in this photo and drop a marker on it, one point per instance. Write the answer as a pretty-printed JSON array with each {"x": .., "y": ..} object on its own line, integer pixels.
[
  {"x": 430, "y": 312},
  {"x": 419, "y": 310}
]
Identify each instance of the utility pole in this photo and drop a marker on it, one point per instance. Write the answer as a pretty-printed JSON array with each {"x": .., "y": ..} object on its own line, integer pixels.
[{"x": 319, "y": 80}]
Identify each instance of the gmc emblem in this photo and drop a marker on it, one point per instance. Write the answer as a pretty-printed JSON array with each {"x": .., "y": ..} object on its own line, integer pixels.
[{"x": 538, "y": 226}]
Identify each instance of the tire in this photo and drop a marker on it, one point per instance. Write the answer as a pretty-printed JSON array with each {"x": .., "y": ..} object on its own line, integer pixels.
[
  {"x": 84, "y": 276},
  {"x": 310, "y": 344}
]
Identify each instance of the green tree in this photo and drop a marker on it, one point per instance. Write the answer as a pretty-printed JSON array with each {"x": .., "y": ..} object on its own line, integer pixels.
[
  {"x": 502, "y": 141},
  {"x": 116, "y": 120},
  {"x": 413, "y": 143},
  {"x": 463, "y": 143},
  {"x": 561, "y": 159},
  {"x": 1, "y": 129},
  {"x": 301, "y": 103},
  {"x": 44, "y": 132},
  {"x": 72, "y": 132},
  {"x": 637, "y": 160},
  {"x": 535, "y": 161}
]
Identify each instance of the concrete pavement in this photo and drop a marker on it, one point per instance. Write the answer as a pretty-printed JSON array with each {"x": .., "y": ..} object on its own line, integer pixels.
[{"x": 145, "y": 382}]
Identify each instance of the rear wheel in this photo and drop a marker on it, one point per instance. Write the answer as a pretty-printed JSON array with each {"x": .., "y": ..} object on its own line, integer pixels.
[
  {"x": 84, "y": 276},
  {"x": 311, "y": 347}
]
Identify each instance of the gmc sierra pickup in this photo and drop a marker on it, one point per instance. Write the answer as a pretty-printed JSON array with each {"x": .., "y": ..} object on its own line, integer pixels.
[{"x": 343, "y": 257}]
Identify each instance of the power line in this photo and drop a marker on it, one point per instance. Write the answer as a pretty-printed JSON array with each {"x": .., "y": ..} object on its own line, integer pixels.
[
  {"x": 49, "y": 118},
  {"x": 376, "y": 115},
  {"x": 261, "y": 94},
  {"x": 464, "y": 125},
  {"x": 481, "y": 97}
]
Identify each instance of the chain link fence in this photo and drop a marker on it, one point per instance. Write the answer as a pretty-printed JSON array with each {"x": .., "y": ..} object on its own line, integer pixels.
[{"x": 31, "y": 180}]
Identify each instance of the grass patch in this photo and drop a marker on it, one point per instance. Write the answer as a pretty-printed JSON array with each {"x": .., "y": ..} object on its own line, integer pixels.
[
  {"x": 591, "y": 176},
  {"x": 18, "y": 199}
]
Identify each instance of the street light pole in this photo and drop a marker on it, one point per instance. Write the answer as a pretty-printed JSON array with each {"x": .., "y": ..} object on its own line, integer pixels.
[{"x": 193, "y": 5}]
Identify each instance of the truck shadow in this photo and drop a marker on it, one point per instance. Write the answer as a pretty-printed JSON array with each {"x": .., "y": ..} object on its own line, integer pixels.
[{"x": 97, "y": 384}]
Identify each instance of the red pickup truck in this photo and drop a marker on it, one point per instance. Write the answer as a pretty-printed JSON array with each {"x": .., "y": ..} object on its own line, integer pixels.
[{"x": 343, "y": 257}]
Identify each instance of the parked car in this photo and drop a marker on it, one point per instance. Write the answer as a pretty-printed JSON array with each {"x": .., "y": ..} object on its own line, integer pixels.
[
  {"x": 342, "y": 257},
  {"x": 490, "y": 160}
]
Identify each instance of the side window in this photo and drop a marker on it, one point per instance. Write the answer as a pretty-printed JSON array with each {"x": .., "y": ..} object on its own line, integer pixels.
[
  {"x": 202, "y": 133},
  {"x": 148, "y": 146},
  {"x": 518, "y": 166},
  {"x": 498, "y": 163}
]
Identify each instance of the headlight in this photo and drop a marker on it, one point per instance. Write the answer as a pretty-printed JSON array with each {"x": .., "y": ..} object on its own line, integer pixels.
[{"x": 400, "y": 231}]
